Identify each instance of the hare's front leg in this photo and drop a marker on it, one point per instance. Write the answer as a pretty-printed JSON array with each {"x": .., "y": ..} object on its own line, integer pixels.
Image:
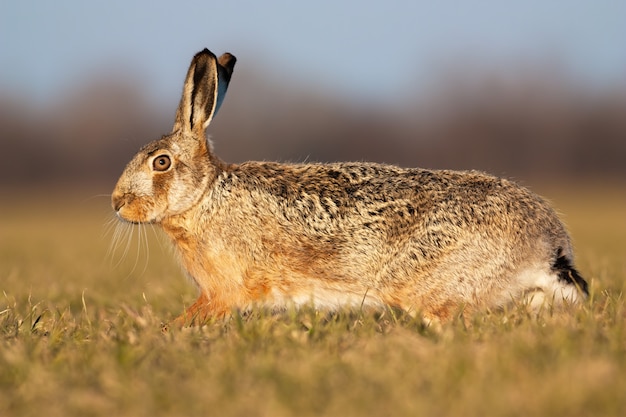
[{"x": 200, "y": 311}]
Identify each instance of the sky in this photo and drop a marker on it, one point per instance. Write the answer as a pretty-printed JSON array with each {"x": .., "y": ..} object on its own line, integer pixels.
[{"x": 366, "y": 48}]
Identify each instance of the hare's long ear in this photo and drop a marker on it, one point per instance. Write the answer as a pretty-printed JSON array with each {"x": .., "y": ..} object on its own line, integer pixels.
[
  {"x": 203, "y": 92},
  {"x": 225, "y": 71}
]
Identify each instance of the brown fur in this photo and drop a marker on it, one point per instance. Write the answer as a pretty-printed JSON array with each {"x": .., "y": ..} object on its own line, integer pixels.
[{"x": 336, "y": 234}]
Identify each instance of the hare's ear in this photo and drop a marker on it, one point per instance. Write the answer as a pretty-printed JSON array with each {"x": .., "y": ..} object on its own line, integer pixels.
[
  {"x": 225, "y": 71},
  {"x": 204, "y": 91}
]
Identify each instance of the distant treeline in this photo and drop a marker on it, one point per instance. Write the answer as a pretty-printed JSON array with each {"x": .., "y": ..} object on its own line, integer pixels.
[{"x": 534, "y": 127}]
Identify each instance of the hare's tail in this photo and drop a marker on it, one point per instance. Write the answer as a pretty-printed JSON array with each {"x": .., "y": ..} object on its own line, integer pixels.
[{"x": 568, "y": 274}]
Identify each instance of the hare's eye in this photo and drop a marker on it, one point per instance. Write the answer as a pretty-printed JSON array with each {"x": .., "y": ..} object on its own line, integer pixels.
[{"x": 161, "y": 163}]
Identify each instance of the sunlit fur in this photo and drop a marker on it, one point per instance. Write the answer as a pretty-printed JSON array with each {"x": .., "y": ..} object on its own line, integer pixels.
[{"x": 355, "y": 234}]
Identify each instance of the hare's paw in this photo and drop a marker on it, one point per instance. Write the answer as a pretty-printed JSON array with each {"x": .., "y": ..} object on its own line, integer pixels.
[{"x": 199, "y": 313}]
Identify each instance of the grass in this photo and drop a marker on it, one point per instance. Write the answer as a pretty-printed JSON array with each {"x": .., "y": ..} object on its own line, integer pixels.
[{"x": 80, "y": 334}]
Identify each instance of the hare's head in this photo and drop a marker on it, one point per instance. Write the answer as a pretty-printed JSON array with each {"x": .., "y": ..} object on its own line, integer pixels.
[{"x": 168, "y": 176}]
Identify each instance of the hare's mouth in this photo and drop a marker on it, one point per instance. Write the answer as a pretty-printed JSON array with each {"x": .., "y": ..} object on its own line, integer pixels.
[
  {"x": 121, "y": 218},
  {"x": 134, "y": 218},
  {"x": 129, "y": 208},
  {"x": 133, "y": 213}
]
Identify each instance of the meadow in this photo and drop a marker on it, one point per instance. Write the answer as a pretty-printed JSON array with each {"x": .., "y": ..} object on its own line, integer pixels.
[{"x": 80, "y": 333}]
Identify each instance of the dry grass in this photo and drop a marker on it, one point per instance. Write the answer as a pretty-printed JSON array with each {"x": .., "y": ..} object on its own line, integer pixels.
[{"x": 80, "y": 335}]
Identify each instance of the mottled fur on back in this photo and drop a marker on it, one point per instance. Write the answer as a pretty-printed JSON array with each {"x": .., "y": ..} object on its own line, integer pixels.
[{"x": 339, "y": 234}]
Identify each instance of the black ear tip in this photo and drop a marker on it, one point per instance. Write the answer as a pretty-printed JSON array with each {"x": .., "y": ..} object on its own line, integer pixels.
[
  {"x": 204, "y": 53},
  {"x": 228, "y": 61}
]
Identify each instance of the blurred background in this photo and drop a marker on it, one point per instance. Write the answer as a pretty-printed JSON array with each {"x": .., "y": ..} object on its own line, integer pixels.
[{"x": 531, "y": 90}]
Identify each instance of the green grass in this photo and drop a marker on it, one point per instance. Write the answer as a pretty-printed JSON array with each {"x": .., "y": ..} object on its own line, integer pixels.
[{"x": 80, "y": 334}]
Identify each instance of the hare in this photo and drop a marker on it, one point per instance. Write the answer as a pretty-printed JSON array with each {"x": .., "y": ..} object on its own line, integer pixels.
[{"x": 343, "y": 234}]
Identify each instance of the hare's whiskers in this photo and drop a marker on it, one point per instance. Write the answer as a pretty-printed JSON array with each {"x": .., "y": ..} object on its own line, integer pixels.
[
  {"x": 141, "y": 238},
  {"x": 93, "y": 197},
  {"x": 123, "y": 231},
  {"x": 124, "y": 240},
  {"x": 146, "y": 244}
]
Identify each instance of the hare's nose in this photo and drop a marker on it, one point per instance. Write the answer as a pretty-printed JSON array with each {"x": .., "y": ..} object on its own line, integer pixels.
[{"x": 117, "y": 201}]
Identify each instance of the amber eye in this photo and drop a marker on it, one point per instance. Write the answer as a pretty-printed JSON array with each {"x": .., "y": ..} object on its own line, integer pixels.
[{"x": 161, "y": 163}]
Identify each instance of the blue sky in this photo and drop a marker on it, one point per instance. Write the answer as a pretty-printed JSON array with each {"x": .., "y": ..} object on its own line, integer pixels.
[{"x": 375, "y": 48}]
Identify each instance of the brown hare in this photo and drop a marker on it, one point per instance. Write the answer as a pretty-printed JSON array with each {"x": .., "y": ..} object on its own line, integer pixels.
[{"x": 342, "y": 234}]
